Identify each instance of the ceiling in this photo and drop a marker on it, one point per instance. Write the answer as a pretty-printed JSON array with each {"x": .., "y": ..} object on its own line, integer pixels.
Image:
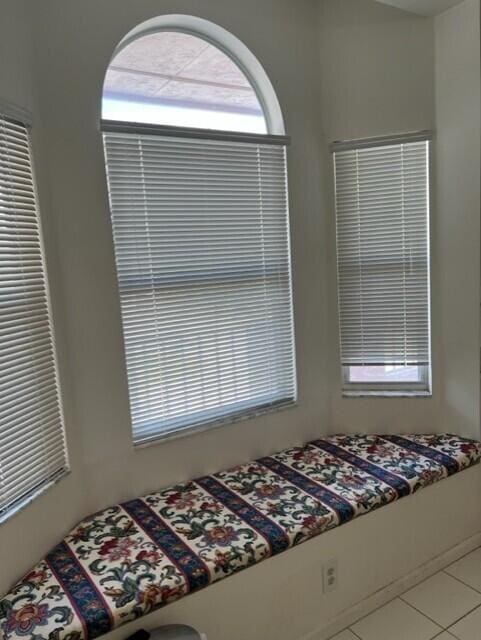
[{"x": 423, "y": 7}]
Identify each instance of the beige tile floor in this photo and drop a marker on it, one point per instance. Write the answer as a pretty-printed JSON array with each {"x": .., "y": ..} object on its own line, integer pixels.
[{"x": 446, "y": 606}]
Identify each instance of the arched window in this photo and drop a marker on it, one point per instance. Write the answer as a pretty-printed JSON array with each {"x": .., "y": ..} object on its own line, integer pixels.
[
  {"x": 179, "y": 79},
  {"x": 198, "y": 196}
]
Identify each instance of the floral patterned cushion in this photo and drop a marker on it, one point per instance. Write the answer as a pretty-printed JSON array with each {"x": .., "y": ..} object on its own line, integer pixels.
[{"x": 130, "y": 559}]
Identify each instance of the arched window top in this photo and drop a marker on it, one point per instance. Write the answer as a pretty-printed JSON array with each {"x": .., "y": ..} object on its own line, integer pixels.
[
  {"x": 184, "y": 71},
  {"x": 170, "y": 77},
  {"x": 197, "y": 177}
]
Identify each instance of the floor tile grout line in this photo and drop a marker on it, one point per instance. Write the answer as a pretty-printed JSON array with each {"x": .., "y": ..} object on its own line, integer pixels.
[
  {"x": 371, "y": 612},
  {"x": 400, "y": 597},
  {"x": 443, "y": 571},
  {"x": 441, "y": 628},
  {"x": 462, "y": 557},
  {"x": 438, "y": 623},
  {"x": 422, "y": 613},
  {"x": 461, "y": 581},
  {"x": 462, "y": 617}
]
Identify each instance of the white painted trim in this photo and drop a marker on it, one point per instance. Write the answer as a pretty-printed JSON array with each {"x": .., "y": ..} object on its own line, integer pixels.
[
  {"x": 381, "y": 141},
  {"x": 386, "y": 594},
  {"x": 164, "y": 130},
  {"x": 230, "y": 45},
  {"x": 421, "y": 387}
]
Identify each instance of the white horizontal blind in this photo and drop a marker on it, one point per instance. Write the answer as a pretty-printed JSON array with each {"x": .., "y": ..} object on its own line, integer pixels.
[
  {"x": 32, "y": 447},
  {"x": 202, "y": 251},
  {"x": 382, "y": 206}
]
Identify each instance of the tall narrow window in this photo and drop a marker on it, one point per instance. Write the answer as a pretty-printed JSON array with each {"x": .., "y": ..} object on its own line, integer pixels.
[
  {"x": 382, "y": 208},
  {"x": 200, "y": 224},
  {"x": 32, "y": 446}
]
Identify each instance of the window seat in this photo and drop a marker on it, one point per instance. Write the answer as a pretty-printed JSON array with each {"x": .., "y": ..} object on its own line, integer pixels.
[{"x": 127, "y": 560}]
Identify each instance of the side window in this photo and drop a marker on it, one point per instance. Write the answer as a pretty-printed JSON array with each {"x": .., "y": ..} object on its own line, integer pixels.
[
  {"x": 382, "y": 211},
  {"x": 32, "y": 445},
  {"x": 198, "y": 200}
]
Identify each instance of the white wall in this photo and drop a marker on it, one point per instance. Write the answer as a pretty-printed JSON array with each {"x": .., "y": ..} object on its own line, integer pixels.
[
  {"x": 27, "y": 535},
  {"x": 15, "y": 77},
  {"x": 456, "y": 228},
  {"x": 72, "y": 45},
  {"x": 378, "y": 69},
  {"x": 377, "y": 77},
  {"x": 375, "y": 67}
]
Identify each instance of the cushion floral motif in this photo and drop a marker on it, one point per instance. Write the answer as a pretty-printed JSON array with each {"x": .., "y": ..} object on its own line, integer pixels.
[{"x": 132, "y": 558}]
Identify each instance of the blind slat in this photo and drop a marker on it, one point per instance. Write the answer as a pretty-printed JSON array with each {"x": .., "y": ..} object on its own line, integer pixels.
[
  {"x": 32, "y": 445},
  {"x": 382, "y": 213},
  {"x": 202, "y": 251}
]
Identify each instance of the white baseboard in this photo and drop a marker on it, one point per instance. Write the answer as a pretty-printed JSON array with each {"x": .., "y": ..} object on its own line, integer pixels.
[{"x": 349, "y": 616}]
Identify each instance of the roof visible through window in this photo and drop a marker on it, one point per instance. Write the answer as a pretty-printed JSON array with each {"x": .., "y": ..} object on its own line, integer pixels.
[{"x": 177, "y": 79}]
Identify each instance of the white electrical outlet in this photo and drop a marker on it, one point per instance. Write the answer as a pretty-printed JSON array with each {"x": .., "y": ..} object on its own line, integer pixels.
[{"x": 329, "y": 576}]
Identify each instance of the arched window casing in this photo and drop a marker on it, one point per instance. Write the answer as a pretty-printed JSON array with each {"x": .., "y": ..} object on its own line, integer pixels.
[
  {"x": 178, "y": 79},
  {"x": 197, "y": 182}
]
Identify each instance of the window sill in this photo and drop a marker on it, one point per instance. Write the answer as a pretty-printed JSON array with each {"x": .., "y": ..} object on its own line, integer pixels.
[
  {"x": 378, "y": 393},
  {"x": 210, "y": 426}
]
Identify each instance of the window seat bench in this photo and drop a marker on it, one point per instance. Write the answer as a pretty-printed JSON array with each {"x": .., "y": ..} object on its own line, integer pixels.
[{"x": 127, "y": 560}]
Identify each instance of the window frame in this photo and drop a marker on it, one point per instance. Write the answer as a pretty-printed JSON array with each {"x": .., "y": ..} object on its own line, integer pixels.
[
  {"x": 230, "y": 45},
  {"x": 275, "y": 135},
  {"x": 23, "y": 118},
  {"x": 423, "y": 388}
]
